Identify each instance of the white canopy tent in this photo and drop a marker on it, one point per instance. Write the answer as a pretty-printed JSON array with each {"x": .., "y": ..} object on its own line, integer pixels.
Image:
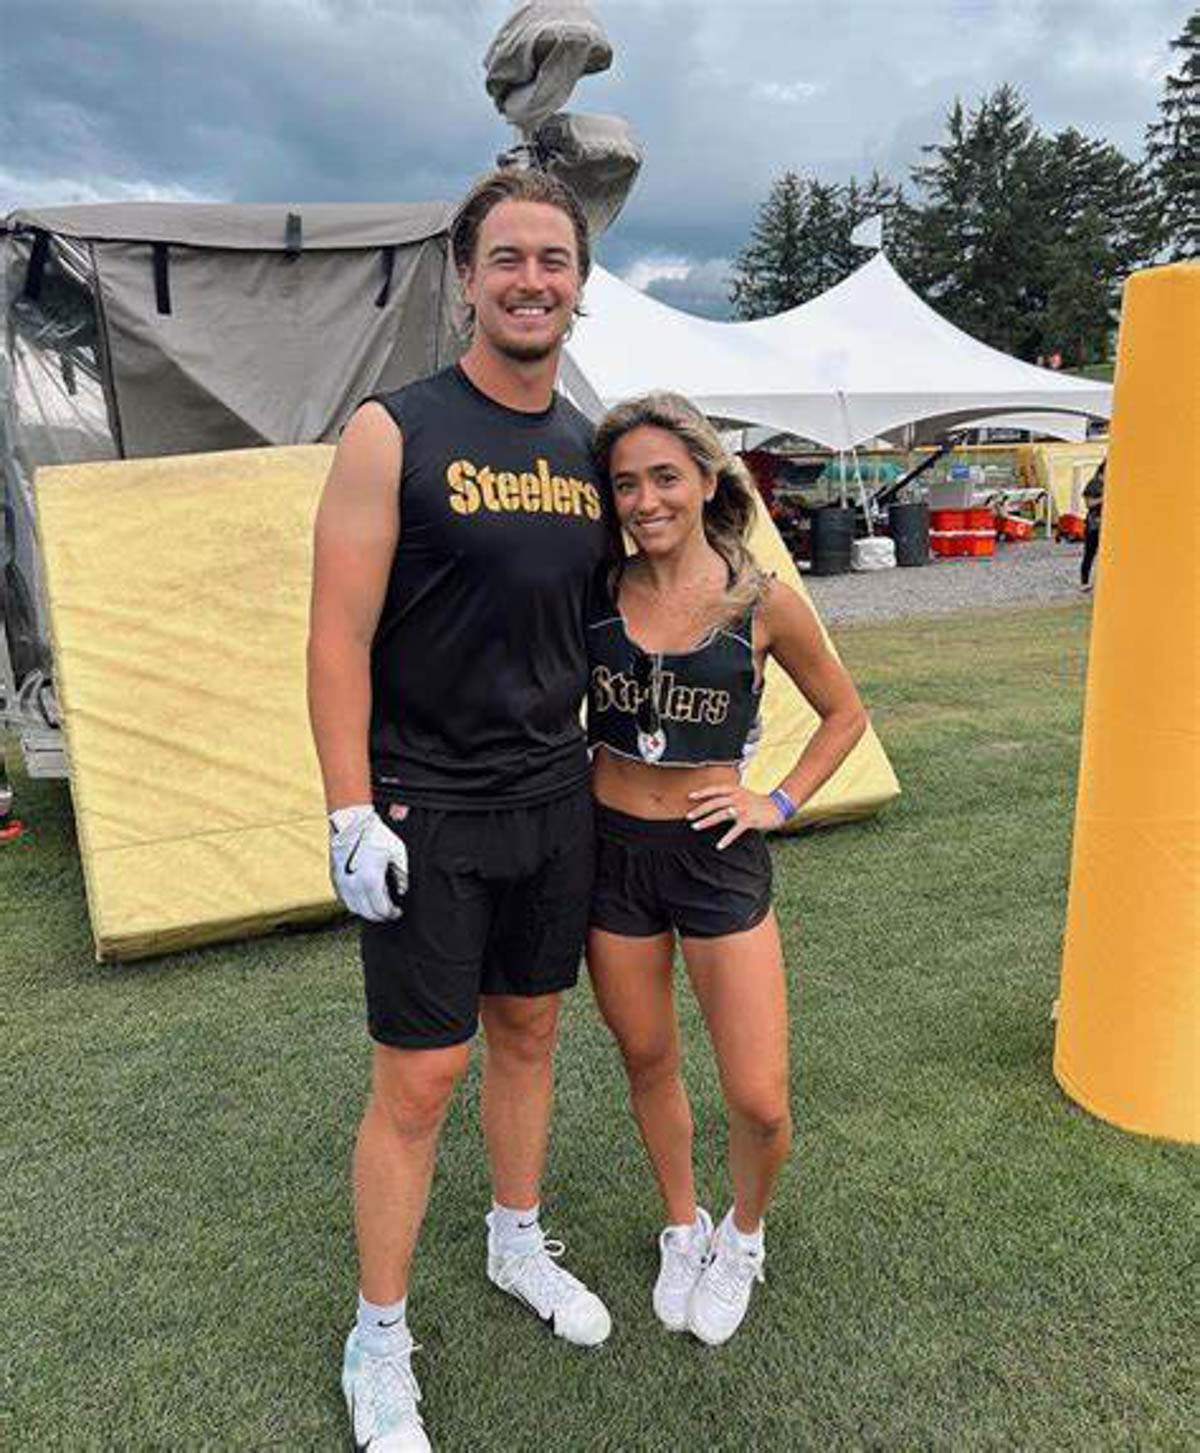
[{"x": 861, "y": 360}]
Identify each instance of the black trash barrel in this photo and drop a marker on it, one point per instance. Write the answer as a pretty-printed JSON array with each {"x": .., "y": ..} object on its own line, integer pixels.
[
  {"x": 832, "y": 537},
  {"x": 909, "y": 525}
]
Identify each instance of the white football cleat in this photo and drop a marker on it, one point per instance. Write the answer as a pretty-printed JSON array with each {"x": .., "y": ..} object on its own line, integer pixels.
[
  {"x": 381, "y": 1398},
  {"x": 722, "y": 1293},
  {"x": 561, "y": 1300},
  {"x": 683, "y": 1252}
]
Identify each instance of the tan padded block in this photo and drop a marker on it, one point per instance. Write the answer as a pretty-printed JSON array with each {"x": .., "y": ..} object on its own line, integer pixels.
[
  {"x": 865, "y": 781},
  {"x": 178, "y": 592}
]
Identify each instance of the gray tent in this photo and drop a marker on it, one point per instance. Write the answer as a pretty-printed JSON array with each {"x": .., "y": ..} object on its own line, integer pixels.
[
  {"x": 145, "y": 329},
  {"x": 154, "y": 328}
]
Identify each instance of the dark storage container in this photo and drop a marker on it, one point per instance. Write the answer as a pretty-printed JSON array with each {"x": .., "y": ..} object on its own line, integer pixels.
[
  {"x": 909, "y": 525},
  {"x": 832, "y": 537}
]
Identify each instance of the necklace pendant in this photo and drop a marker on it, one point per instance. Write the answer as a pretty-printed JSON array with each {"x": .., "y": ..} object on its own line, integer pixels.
[{"x": 652, "y": 745}]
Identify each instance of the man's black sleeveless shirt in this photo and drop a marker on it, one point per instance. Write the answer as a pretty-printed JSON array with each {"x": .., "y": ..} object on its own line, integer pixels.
[{"x": 479, "y": 660}]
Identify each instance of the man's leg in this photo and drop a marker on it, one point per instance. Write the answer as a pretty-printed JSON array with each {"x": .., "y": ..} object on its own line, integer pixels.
[
  {"x": 518, "y": 1091},
  {"x": 393, "y": 1167},
  {"x": 393, "y": 1159},
  {"x": 518, "y": 1088}
]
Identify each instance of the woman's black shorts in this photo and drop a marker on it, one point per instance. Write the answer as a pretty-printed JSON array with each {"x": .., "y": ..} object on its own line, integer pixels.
[{"x": 652, "y": 876}]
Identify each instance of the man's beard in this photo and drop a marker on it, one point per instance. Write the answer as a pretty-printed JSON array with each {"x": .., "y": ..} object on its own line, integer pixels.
[{"x": 531, "y": 352}]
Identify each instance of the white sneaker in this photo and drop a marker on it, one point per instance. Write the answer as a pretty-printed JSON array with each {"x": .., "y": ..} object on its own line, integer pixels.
[
  {"x": 560, "y": 1299},
  {"x": 381, "y": 1398},
  {"x": 722, "y": 1293},
  {"x": 683, "y": 1252}
]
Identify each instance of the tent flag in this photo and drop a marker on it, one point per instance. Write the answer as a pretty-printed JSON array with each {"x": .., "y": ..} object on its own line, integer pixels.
[{"x": 869, "y": 233}]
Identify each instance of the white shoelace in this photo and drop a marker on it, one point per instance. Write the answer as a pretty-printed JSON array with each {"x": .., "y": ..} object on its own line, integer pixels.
[
  {"x": 392, "y": 1388},
  {"x": 539, "y": 1275},
  {"x": 731, "y": 1271},
  {"x": 683, "y": 1258}
]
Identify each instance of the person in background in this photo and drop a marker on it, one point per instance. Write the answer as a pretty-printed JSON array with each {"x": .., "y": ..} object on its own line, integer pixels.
[
  {"x": 678, "y": 638},
  {"x": 1093, "y": 497},
  {"x": 459, "y": 529}
]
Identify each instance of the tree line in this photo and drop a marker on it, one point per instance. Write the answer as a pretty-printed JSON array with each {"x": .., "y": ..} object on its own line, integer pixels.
[{"x": 1020, "y": 238}]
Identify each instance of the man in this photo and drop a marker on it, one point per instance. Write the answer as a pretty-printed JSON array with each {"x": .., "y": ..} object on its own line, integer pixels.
[{"x": 459, "y": 527}]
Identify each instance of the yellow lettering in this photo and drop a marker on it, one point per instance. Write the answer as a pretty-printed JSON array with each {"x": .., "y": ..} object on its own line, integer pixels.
[
  {"x": 602, "y": 687},
  {"x": 718, "y": 707},
  {"x": 591, "y": 501},
  {"x": 543, "y": 470},
  {"x": 464, "y": 497},
  {"x": 531, "y": 493},
  {"x": 562, "y": 495},
  {"x": 487, "y": 483},
  {"x": 509, "y": 491}
]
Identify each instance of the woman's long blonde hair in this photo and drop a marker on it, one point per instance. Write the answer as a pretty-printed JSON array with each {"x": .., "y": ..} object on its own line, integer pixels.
[{"x": 729, "y": 515}]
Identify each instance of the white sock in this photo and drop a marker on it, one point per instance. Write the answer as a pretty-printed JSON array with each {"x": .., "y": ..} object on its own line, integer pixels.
[
  {"x": 684, "y": 1230},
  {"x": 516, "y": 1230},
  {"x": 751, "y": 1241},
  {"x": 382, "y": 1329}
]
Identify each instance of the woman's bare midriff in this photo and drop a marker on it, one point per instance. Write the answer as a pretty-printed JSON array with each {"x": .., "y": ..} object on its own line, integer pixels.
[{"x": 654, "y": 792}]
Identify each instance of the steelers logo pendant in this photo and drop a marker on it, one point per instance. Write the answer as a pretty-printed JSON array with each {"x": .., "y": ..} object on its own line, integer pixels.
[{"x": 652, "y": 745}]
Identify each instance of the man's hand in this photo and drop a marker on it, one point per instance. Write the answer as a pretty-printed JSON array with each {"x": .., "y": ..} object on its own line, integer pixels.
[{"x": 367, "y": 863}]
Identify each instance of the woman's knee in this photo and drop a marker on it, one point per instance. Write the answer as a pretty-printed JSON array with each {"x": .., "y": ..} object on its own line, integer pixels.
[
  {"x": 650, "y": 1063},
  {"x": 764, "y": 1111}
]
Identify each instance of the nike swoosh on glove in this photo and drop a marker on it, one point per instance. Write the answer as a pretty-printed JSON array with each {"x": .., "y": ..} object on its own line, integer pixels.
[{"x": 367, "y": 863}]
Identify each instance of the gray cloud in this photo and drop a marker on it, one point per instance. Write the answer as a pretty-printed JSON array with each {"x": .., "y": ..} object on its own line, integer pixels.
[{"x": 315, "y": 100}]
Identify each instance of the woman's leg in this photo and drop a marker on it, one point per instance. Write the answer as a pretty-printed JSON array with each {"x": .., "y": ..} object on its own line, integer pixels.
[
  {"x": 632, "y": 979},
  {"x": 739, "y": 983}
]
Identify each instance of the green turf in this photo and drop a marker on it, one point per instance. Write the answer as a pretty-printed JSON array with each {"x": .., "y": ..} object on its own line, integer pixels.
[{"x": 959, "y": 1257}]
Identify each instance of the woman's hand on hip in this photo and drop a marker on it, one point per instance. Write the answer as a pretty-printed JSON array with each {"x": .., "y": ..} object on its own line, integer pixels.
[{"x": 733, "y": 807}]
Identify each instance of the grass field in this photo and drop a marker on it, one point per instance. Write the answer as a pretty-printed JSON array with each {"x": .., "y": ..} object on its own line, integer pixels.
[{"x": 958, "y": 1257}]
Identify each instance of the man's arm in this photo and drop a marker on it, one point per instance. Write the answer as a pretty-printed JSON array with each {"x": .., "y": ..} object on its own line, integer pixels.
[{"x": 357, "y": 527}]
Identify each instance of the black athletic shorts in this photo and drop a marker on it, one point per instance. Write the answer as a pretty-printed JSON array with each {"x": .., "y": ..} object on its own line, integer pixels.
[
  {"x": 497, "y": 903},
  {"x": 654, "y": 876}
]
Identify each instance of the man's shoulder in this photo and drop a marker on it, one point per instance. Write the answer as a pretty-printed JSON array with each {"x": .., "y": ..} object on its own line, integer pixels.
[
  {"x": 573, "y": 416},
  {"x": 401, "y": 401}
]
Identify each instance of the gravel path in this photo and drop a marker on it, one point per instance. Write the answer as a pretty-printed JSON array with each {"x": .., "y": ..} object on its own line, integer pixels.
[{"x": 1036, "y": 572}]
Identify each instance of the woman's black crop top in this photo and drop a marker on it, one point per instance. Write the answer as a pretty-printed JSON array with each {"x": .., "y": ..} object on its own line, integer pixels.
[{"x": 672, "y": 708}]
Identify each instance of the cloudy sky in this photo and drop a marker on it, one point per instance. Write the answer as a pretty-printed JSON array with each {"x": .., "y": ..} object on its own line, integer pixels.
[{"x": 325, "y": 100}]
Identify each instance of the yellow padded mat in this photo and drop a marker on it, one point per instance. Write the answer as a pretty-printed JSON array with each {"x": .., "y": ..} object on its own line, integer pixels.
[
  {"x": 178, "y": 593},
  {"x": 865, "y": 780}
]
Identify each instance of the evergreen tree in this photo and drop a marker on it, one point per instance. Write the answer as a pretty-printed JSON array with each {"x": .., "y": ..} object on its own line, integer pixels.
[
  {"x": 766, "y": 273},
  {"x": 800, "y": 244},
  {"x": 979, "y": 241},
  {"x": 1080, "y": 304},
  {"x": 1173, "y": 150},
  {"x": 1103, "y": 222}
]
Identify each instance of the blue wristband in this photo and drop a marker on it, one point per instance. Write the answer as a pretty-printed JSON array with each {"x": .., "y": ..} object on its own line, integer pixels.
[{"x": 784, "y": 803}]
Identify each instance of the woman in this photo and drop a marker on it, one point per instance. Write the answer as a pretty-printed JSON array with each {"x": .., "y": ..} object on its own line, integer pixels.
[{"x": 678, "y": 639}]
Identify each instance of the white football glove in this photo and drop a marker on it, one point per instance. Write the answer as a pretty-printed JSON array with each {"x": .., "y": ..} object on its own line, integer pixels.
[{"x": 367, "y": 862}]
